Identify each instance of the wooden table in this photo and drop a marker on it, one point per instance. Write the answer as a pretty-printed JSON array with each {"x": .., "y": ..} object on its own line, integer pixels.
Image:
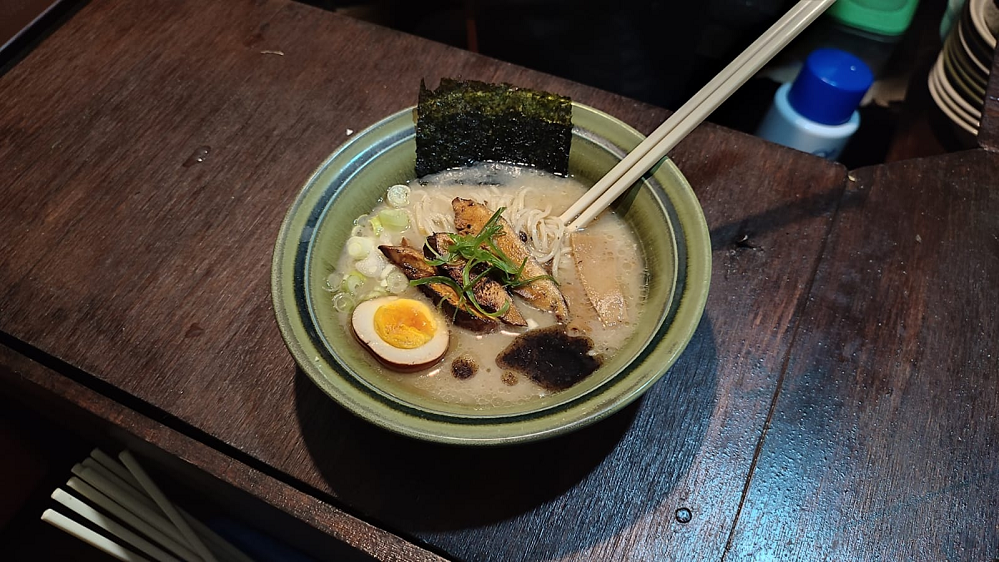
[{"x": 839, "y": 401}]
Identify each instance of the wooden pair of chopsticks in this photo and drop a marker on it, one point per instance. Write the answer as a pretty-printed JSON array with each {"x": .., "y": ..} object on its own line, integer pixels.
[
  {"x": 135, "y": 511},
  {"x": 654, "y": 148}
]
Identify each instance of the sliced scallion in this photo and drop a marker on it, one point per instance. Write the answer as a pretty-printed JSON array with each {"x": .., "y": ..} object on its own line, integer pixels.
[
  {"x": 398, "y": 196},
  {"x": 352, "y": 282},
  {"x": 342, "y": 302},
  {"x": 396, "y": 282},
  {"x": 359, "y": 247},
  {"x": 394, "y": 219},
  {"x": 480, "y": 251}
]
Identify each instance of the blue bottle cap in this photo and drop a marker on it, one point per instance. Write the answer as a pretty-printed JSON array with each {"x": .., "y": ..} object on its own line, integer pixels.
[{"x": 830, "y": 86}]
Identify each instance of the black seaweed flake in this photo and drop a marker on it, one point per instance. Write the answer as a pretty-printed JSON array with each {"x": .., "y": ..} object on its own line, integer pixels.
[
  {"x": 550, "y": 357},
  {"x": 464, "y": 367},
  {"x": 465, "y": 122}
]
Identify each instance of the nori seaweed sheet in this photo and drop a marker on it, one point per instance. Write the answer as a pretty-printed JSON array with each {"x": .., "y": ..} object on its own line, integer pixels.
[{"x": 466, "y": 122}]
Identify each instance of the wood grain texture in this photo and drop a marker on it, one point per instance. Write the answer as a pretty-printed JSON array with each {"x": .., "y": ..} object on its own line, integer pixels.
[
  {"x": 166, "y": 295},
  {"x": 916, "y": 132},
  {"x": 988, "y": 129},
  {"x": 150, "y": 171},
  {"x": 885, "y": 441},
  {"x": 612, "y": 491},
  {"x": 327, "y": 533}
]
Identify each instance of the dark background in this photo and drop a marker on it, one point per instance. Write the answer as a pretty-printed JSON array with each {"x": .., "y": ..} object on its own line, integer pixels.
[{"x": 656, "y": 51}]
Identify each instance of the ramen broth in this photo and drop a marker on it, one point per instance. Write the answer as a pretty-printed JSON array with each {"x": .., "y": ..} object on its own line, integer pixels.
[{"x": 530, "y": 197}]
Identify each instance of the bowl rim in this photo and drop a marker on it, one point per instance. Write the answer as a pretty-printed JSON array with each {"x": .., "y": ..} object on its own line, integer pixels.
[
  {"x": 976, "y": 9},
  {"x": 958, "y": 77},
  {"x": 583, "y": 410},
  {"x": 944, "y": 88},
  {"x": 954, "y": 52},
  {"x": 945, "y": 105},
  {"x": 971, "y": 35},
  {"x": 969, "y": 51}
]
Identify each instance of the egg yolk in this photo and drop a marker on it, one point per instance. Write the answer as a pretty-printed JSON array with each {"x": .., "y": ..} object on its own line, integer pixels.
[{"x": 404, "y": 324}]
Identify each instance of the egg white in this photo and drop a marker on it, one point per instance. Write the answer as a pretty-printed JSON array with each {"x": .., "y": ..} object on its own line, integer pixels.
[{"x": 363, "y": 326}]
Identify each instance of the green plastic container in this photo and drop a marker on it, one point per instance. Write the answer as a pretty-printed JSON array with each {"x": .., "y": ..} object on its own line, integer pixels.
[
  {"x": 889, "y": 18},
  {"x": 867, "y": 29},
  {"x": 870, "y": 29}
]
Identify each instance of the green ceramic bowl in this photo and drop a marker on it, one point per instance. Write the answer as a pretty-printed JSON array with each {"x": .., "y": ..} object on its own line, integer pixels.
[{"x": 663, "y": 211}]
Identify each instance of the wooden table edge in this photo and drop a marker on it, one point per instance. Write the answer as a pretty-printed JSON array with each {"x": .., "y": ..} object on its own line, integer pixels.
[
  {"x": 93, "y": 415},
  {"x": 988, "y": 131}
]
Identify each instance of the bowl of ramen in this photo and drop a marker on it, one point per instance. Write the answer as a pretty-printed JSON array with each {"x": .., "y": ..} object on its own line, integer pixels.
[{"x": 456, "y": 307}]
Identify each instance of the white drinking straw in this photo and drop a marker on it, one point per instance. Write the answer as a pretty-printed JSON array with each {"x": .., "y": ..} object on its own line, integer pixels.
[
  {"x": 90, "y": 537},
  {"x": 153, "y": 531},
  {"x": 111, "y": 526},
  {"x": 193, "y": 540}
]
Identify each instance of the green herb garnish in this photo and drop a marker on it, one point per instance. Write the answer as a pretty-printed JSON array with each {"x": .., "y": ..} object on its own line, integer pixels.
[{"x": 479, "y": 252}]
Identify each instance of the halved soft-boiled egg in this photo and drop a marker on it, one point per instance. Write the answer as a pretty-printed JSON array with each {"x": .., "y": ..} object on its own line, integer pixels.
[{"x": 404, "y": 334}]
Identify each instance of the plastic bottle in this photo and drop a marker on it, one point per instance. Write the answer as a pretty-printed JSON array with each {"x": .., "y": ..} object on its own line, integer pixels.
[
  {"x": 817, "y": 113},
  {"x": 870, "y": 29}
]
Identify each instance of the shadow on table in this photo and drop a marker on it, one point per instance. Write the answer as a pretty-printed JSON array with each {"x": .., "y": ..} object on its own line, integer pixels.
[
  {"x": 740, "y": 233},
  {"x": 558, "y": 496}
]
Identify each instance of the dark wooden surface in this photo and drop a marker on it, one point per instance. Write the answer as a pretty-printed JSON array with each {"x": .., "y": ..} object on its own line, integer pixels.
[
  {"x": 882, "y": 445},
  {"x": 150, "y": 151},
  {"x": 917, "y": 127},
  {"x": 988, "y": 131}
]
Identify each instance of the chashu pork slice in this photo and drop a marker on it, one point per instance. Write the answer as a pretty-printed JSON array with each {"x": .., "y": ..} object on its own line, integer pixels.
[
  {"x": 599, "y": 278},
  {"x": 469, "y": 219},
  {"x": 490, "y": 295},
  {"x": 412, "y": 263}
]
